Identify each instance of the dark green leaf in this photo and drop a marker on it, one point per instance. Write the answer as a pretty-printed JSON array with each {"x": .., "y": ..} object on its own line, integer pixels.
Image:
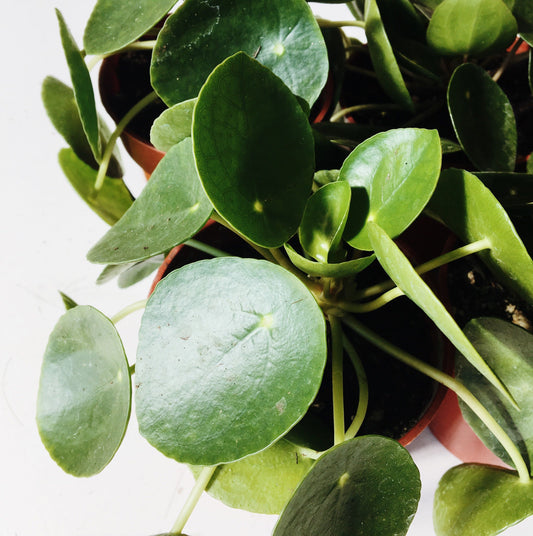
[
  {"x": 171, "y": 208},
  {"x": 110, "y": 202},
  {"x": 475, "y": 27},
  {"x": 83, "y": 404},
  {"x": 478, "y": 500},
  {"x": 401, "y": 19},
  {"x": 231, "y": 354},
  {"x": 483, "y": 119},
  {"x": 200, "y": 35},
  {"x": 511, "y": 189},
  {"x": 254, "y": 150},
  {"x": 68, "y": 302},
  {"x": 392, "y": 176},
  {"x": 173, "y": 125},
  {"x": 523, "y": 11},
  {"x": 113, "y": 24},
  {"x": 367, "y": 486}
]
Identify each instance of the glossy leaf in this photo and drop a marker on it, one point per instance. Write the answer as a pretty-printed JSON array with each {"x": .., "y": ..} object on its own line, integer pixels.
[
  {"x": 320, "y": 269},
  {"x": 413, "y": 286},
  {"x": 383, "y": 60},
  {"x": 114, "y": 24},
  {"x": 82, "y": 86},
  {"x": 324, "y": 220},
  {"x": 83, "y": 404},
  {"x": 470, "y": 210},
  {"x": 261, "y": 483},
  {"x": 231, "y": 354},
  {"x": 113, "y": 199},
  {"x": 254, "y": 150},
  {"x": 508, "y": 350},
  {"x": 479, "y": 500},
  {"x": 483, "y": 119},
  {"x": 367, "y": 486},
  {"x": 475, "y": 27},
  {"x": 171, "y": 208},
  {"x": 173, "y": 125},
  {"x": 392, "y": 176},
  {"x": 201, "y": 34}
]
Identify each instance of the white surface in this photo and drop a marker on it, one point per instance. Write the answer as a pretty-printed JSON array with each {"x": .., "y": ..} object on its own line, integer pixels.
[{"x": 46, "y": 232}]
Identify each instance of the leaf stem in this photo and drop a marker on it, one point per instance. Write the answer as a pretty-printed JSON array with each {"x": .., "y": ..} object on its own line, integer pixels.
[
  {"x": 323, "y": 23},
  {"x": 141, "y": 304},
  {"x": 193, "y": 498},
  {"x": 354, "y": 9},
  {"x": 106, "y": 158},
  {"x": 337, "y": 379},
  {"x": 206, "y": 248},
  {"x": 362, "y": 108},
  {"x": 456, "y": 386},
  {"x": 508, "y": 57}
]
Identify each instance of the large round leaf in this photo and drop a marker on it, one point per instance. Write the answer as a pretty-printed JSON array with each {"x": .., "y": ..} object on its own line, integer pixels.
[
  {"x": 483, "y": 119},
  {"x": 254, "y": 150},
  {"x": 392, "y": 175},
  {"x": 367, "y": 486},
  {"x": 201, "y": 34},
  {"x": 474, "y": 27},
  {"x": 84, "y": 397},
  {"x": 231, "y": 354}
]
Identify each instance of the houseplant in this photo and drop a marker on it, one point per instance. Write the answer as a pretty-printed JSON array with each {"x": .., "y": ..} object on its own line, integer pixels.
[{"x": 242, "y": 152}]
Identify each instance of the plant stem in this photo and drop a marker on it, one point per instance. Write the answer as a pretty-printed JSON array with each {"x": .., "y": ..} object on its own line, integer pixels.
[
  {"x": 206, "y": 248},
  {"x": 456, "y": 386},
  {"x": 337, "y": 379},
  {"x": 354, "y": 9},
  {"x": 323, "y": 23},
  {"x": 367, "y": 307},
  {"x": 106, "y": 158},
  {"x": 141, "y": 304},
  {"x": 193, "y": 498},
  {"x": 362, "y": 382},
  {"x": 509, "y": 56},
  {"x": 363, "y": 107}
]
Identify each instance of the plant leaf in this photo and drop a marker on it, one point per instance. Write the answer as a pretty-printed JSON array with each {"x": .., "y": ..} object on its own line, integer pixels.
[
  {"x": 383, "y": 60},
  {"x": 171, "y": 208},
  {"x": 324, "y": 220},
  {"x": 68, "y": 302},
  {"x": 348, "y": 485},
  {"x": 231, "y": 354},
  {"x": 114, "y": 24},
  {"x": 523, "y": 11},
  {"x": 252, "y": 139},
  {"x": 483, "y": 119},
  {"x": 200, "y": 35},
  {"x": 173, "y": 125},
  {"x": 510, "y": 189},
  {"x": 110, "y": 202},
  {"x": 469, "y": 209},
  {"x": 479, "y": 500},
  {"x": 392, "y": 175},
  {"x": 261, "y": 483},
  {"x": 84, "y": 398},
  {"x": 405, "y": 277}
]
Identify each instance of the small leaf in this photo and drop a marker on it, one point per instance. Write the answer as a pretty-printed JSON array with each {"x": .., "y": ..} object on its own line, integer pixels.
[
  {"x": 171, "y": 208},
  {"x": 139, "y": 271},
  {"x": 173, "y": 125},
  {"x": 202, "y": 34},
  {"x": 323, "y": 221},
  {"x": 254, "y": 150},
  {"x": 475, "y": 27},
  {"x": 83, "y": 404},
  {"x": 261, "y": 483},
  {"x": 478, "y": 500},
  {"x": 349, "y": 485},
  {"x": 231, "y": 355},
  {"x": 483, "y": 119},
  {"x": 68, "y": 302},
  {"x": 114, "y": 24},
  {"x": 392, "y": 176},
  {"x": 110, "y": 202}
]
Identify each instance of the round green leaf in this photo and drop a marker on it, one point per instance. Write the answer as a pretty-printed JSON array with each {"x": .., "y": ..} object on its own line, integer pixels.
[
  {"x": 478, "y": 500},
  {"x": 83, "y": 405},
  {"x": 171, "y": 208},
  {"x": 261, "y": 483},
  {"x": 200, "y": 35},
  {"x": 324, "y": 219},
  {"x": 254, "y": 150},
  {"x": 231, "y": 354},
  {"x": 392, "y": 176},
  {"x": 367, "y": 486},
  {"x": 113, "y": 24},
  {"x": 475, "y": 27},
  {"x": 173, "y": 125},
  {"x": 483, "y": 119}
]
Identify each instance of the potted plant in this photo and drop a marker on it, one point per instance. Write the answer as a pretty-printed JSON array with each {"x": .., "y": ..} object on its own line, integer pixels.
[{"x": 234, "y": 350}]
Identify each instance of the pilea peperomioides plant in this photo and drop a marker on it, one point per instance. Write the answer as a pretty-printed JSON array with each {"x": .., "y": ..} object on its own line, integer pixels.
[{"x": 234, "y": 351}]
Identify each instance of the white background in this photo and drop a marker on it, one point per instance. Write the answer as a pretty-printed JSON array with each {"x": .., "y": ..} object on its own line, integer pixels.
[{"x": 45, "y": 233}]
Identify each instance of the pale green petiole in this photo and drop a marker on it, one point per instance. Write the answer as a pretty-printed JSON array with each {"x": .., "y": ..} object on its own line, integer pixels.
[
  {"x": 337, "y": 379},
  {"x": 136, "y": 306}
]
